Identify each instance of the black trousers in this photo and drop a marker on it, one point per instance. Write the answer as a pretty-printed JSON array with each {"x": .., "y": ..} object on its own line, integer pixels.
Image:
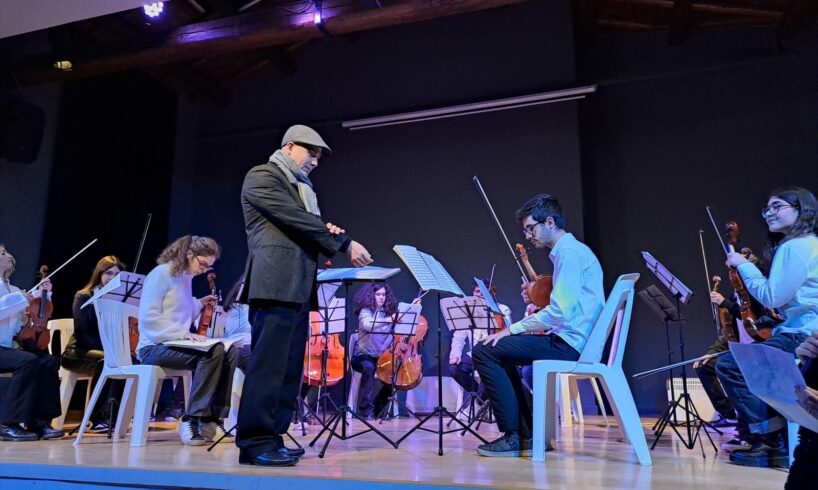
[
  {"x": 90, "y": 363},
  {"x": 804, "y": 472},
  {"x": 34, "y": 392},
  {"x": 712, "y": 386},
  {"x": 273, "y": 375},
  {"x": 373, "y": 394},
  {"x": 463, "y": 374},
  {"x": 497, "y": 366}
]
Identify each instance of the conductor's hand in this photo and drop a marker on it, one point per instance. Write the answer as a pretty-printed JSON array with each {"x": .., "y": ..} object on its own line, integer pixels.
[
  {"x": 209, "y": 300},
  {"x": 735, "y": 259},
  {"x": 195, "y": 337},
  {"x": 494, "y": 338},
  {"x": 335, "y": 230},
  {"x": 808, "y": 349},
  {"x": 716, "y": 298},
  {"x": 358, "y": 255}
]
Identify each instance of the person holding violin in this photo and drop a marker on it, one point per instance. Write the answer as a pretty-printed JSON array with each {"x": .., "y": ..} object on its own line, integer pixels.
[
  {"x": 375, "y": 306},
  {"x": 83, "y": 353},
  {"x": 575, "y": 303},
  {"x": 460, "y": 361},
  {"x": 791, "y": 215},
  {"x": 33, "y": 395},
  {"x": 166, "y": 312}
]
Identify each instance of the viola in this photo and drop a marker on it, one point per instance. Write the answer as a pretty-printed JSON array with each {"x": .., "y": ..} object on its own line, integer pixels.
[
  {"x": 539, "y": 287},
  {"x": 207, "y": 317},
  {"x": 725, "y": 318},
  {"x": 749, "y": 319},
  {"x": 317, "y": 347},
  {"x": 34, "y": 335},
  {"x": 408, "y": 360}
]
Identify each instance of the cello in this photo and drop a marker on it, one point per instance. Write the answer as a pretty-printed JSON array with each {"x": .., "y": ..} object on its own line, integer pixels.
[
  {"x": 34, "y": 335},
  {"x": 409, "y": 361},
  {"x": 324, "y": 357}
]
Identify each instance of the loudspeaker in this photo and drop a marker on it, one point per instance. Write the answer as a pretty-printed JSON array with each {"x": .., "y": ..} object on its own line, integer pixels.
[{"x": 21, "y": 131}]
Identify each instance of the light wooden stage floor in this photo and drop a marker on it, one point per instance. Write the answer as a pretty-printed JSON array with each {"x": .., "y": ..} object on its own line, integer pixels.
[{"x": 588, "y": 456}]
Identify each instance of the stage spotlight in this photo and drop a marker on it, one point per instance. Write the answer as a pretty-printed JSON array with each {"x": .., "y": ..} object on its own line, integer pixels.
[
  {"x": 154, "y": 9},
  {"x": 64, "y": 65}
]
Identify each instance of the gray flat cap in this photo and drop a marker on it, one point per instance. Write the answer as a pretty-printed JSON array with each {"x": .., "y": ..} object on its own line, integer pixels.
[{"x": 304, "y": 134}]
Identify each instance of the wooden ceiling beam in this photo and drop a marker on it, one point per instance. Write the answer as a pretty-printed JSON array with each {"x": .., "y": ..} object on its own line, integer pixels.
[
  {"x": 715, "y": 9},
  {"x": 259, "y": 30}
]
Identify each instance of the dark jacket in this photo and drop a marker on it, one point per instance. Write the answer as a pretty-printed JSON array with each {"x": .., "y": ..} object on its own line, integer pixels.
[{"x": 283, "y": 239}]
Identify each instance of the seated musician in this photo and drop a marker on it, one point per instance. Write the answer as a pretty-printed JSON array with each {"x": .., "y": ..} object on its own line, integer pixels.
[
  {"x": 83, "y": 353},
  {"x": 792, "y": 286},
  {"x": 33, "y": 395},
  {"x": 375, "y": 306},
  {"x": 460, "y": 361},
  {"x": 576, "y": 302},
  {"x": 166, "y": 312},
  {"x": 237, "y": 324}
]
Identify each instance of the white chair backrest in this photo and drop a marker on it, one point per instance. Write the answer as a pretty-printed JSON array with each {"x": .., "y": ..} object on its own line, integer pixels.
[
  {"x": 615, "y": 314},
  {"x": 66, "y": 328},
  {"x": 112, "y": 317}
]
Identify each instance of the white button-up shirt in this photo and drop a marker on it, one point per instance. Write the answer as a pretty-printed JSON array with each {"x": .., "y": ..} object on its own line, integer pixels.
[{"x": 577, "y": 298}]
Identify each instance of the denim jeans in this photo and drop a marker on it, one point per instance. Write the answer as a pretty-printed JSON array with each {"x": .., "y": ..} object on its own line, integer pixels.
[{"x": 760, "y": 417}]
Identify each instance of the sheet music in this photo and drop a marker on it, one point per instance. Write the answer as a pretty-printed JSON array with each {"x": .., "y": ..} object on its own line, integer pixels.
[
  {"x": 125, "y": 287},
  {"x": 670, "y": 281},
  {"x": 427, "y": 271},
  {"x": 203, "y": 346},
  {"x": 326, "y": 293},
  {"x": 771, "y": 375},
  {"x": 368, "y": 273},
  {"x": 469, "y": 312},
  {"x": 332, "y": 317},
  {"x": 493, "y": 306},
  {"x": 407, "y": 316}
]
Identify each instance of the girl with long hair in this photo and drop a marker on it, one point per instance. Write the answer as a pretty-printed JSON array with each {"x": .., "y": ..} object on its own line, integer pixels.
[{"x": 791, "y": 215}]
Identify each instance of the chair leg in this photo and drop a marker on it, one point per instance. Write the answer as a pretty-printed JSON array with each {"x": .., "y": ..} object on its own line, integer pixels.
[
  {"x": 576, "y": 402},
  {"x": 355, "y": 386},
  {"x": 235, "y": 398},
  {"x": 86, "y": 417},
  {"x": 145, "y": 388},
  {"x": 67, "y": 384},
  {"x": 544, "y": 416},
  {"x": 619, "y": 393},
  {"x": 126, "y": 409},
  {"x": 564, "y": 401},
  {"x": 599, "y": 401},
  {"x": 187, "y": 381}
]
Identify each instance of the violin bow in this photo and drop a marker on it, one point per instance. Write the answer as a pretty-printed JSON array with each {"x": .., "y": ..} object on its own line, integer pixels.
[
  {"x": 63, "y": 264},
  {"x": 499, "y": 226}
]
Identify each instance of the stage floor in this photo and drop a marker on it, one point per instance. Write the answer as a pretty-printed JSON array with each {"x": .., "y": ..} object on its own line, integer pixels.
[{"x": 588, "y": 456}]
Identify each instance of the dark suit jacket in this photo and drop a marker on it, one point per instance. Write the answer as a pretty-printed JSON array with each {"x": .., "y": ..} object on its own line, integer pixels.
[{"x": 283, "y": 239}]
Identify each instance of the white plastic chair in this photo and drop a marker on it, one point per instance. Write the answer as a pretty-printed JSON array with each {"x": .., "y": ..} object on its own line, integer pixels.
[
  {"x": 235, "y": 398},
  {"x": 616, "y": 313},
  {"x": 570, "y": 403},
  {"x": 141, "y": 379},
  {"x": 355, "y": 384},
  {"x": 68, "y": 379}
]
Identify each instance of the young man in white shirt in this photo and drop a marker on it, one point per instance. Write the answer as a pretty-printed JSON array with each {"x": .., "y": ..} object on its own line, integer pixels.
[{"x": 576, "y": 302}]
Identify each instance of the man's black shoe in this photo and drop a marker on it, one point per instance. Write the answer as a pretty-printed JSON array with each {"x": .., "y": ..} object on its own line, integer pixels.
[
  {"x": 509, "y": 445},
  {"x": 16, "y": 433},
  {"x": 762, "y": 455},
  {"x": 270, "y": 458},
  {"x": 45, "y": 431},
  {"x": 293, "y": 453}
]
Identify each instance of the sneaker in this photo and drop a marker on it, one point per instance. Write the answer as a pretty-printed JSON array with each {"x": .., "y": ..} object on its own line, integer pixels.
[
  {"x": 97, "y": 428},
  {"x": 762, "y": 454},
  {"x": 722, "y": 422},
  {"x": 735, "y": 444},
  {"x": 188, "y": 429},
  {"x": 214, "y": 431},
  {"x": 169, "y": 415},
  {"x": 508, "y": 445}
]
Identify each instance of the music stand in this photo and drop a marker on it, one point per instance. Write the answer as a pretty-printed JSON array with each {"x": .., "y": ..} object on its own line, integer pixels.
[
  {"x": 671, "y": 314},
  {"x": 405, "y": 323},
  {"x": 348, "y": 276},
  {"x": 465, "y": 314},
  {"x": 331, "y": 312},
  {"x": 432, "y": 276}
]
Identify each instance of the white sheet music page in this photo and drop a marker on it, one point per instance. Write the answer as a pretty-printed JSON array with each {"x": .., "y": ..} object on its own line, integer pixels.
[
  {"x": 124, "y": 287},
  {"x": 417, "y": 266}
]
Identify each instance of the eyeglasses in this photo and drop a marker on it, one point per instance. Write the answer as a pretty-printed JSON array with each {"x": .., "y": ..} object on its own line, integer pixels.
[
  {"x": 529, "y": 229},
  {"x": 774, "y": 208},
  {"x": 204, "y": 264}
]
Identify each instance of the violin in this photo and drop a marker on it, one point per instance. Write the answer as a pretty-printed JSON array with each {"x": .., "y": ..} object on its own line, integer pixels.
[
  {"x": 408, "y": 360},
  {"x": 34, "y": 335},
  {"x": 318, "y": 346},
  {"x": 539, "y": 287},
  {"x": 749, "y": 319},
  {"x": 207, "y": 317}
]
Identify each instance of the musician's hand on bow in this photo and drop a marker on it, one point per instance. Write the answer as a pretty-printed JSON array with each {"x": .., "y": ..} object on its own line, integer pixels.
[
  {"x": 494, "y": 338},
  {"x": 698, "y": 364},
  {"x": 735, "y": 259},
  {"x": 358, "y": 254},
  {"x": 716, "y": 298},
  {"x": 808, "y": 399},
  {"x": 195, "y": 337},
  {"x": 454, "y": 360},
  {"x": 809, "y": 348},
  {"x": 29, "y": 297},
  {"x": 335, "y": 230},
  {"x": 209, "y": 300}
]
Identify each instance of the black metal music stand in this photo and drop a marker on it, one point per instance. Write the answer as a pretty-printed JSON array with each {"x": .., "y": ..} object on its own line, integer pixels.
[{"x": 405, "y": 324}]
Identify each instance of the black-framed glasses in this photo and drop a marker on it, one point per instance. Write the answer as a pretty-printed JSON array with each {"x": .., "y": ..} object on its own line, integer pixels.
[
  {"x": 529, "y": 229},
  {"x": 203, "y": 263},
  {"x": 774, "y": 208}
]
